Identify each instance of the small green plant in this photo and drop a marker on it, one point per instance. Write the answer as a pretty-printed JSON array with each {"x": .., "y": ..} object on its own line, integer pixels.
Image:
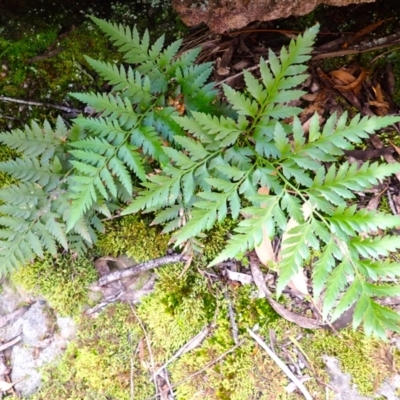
[{"x": 162, "y": 142}]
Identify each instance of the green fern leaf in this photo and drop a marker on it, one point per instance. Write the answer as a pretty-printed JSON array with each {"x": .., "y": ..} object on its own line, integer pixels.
[
  {"x": 377, "y": 269},
  {"x": 110, "y": 106},
  {"x": 351, "y": 295},
  {"x": 325, "y": 264},
  {"x": 336, "y": 283},
  {"x": 295, "y": 253},
  {"x": 375, "y": 247},
  {"x": 34, "y": 141},
  {"x": 131, "y": 157},
  {"x": 240, "y": 102},
  {"x": 351, "y": 222}
]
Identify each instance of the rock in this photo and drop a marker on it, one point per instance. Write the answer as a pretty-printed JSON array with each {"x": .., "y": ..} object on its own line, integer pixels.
[
  {"x": 44, "y": 337},
  {"x": 225, "y": 15},
  {"x": 345, "y": 390}
]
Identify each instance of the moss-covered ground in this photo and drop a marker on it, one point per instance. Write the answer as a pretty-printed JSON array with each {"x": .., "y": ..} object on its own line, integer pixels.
[{"x": 114, "y": 354}]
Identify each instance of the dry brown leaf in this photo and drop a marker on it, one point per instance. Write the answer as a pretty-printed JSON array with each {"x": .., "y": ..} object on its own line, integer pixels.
[
  {"x": 364, "y": 31},
  {"x": 355, "y": 85},
  {"x": 259, "y": 280},
  {"x": 264, "y": 251},
  {"x": 373, "y": 204},
  {"x": 36, "y": 353},
  {"x": 244, "y": 279},
  {"x": 395, "y": 147},
  {"x": 380, "y": 103},
  {"x": 143, "y": 363},
  {"x": 378, "y": 93},
  {"x": 343, "y": 76},
  {"x": 310, "y": 96}
]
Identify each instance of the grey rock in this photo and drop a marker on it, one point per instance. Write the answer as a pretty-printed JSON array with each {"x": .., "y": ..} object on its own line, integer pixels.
[
  {"x": 44, "y": 337},
  {"x": 345, "y": 390}
]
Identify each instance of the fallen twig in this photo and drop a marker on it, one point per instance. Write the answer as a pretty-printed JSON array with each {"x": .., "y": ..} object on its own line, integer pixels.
[
  {"x": 40, "y": 104},
  {"x": 98, "y": 307},
  {"x": 11, "y": 342},
  {"x": 12, "y": 316},
  {"x": 281, "y": 365},
  {"x": 376, "y": 44},
  {"x": 304, "y": 322},
  {"x": 190, "y": 345},
  {"x": 148, "y": 346},
  {"x": 208, "y": 365},
  {"x": 132, "y": 382},
  {"x": 235, "y": 330},
  {"x": 137, "y": 269},
  {"x": 164, "y": 375}
]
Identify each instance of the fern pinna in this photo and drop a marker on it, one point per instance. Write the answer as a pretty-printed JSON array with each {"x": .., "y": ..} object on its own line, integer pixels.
[{"x": 196, "y": 163}]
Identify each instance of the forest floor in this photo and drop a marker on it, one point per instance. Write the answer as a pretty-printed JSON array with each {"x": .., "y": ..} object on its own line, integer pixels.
[{"x": 355, "y": 67}]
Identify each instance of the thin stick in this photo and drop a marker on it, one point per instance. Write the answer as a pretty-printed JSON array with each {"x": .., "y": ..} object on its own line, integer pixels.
[
  {"x": 391, "y": 203},
  {"x": 148, "y": 346},
  {"x": 235, "y": 330},
  {"x": 189, "y": 346},
  {"x": 208, "y": 365},
  {"x": 281, "y": 365},
  {"x": 238, "y": 74},
  {"x": 37, "y": 103},
  {"x": 137, "y": 269},
  {"x": 165, "y": 376},
  {"x": 11, "y": 342},
  {"x": 132, "y": 381}
]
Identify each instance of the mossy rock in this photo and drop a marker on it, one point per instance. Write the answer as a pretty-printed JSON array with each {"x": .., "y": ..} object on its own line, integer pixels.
[{"x": 63, "y": 281}]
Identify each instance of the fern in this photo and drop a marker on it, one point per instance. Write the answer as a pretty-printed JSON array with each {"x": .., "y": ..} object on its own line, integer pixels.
[
  {"x": 33, "y": 212},
  {"x": 198, "y": 160},
  {"x": 228, "y": 159}
]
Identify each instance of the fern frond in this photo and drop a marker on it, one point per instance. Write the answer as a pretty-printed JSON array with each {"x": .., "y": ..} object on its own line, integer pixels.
[
  {"x": 130, "y": 82},
  {"x": 113, "y": 107},
  {"x": 29, "y": 226},
  {"x": 34, "y": 140},
  {"x": 30, "y": 170},
  {"x": 125, "y": 39}
]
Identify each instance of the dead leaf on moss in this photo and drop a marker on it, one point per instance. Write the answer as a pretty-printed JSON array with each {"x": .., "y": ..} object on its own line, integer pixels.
[
  {"x": 264, "y": 250},
  {"x": 343, "y": 76},
  {"x": 244, "y": 279}
]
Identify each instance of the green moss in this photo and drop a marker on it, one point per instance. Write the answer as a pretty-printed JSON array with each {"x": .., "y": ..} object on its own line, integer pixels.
[
  {"x": 216, "y": 239},
  {"x": 112, "y": 347},
  {"x": 357, "y": 354},
  {"x": 6, "y": 154},
  {"x": 98, "y": 364},
  {"x": 132, "y": 236},
  {"x": 62, "y": 281},
  {"x": 178, "y": 309},
  {"x": 48, "y": 78},
  {"x": 240, "y": 375}
]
